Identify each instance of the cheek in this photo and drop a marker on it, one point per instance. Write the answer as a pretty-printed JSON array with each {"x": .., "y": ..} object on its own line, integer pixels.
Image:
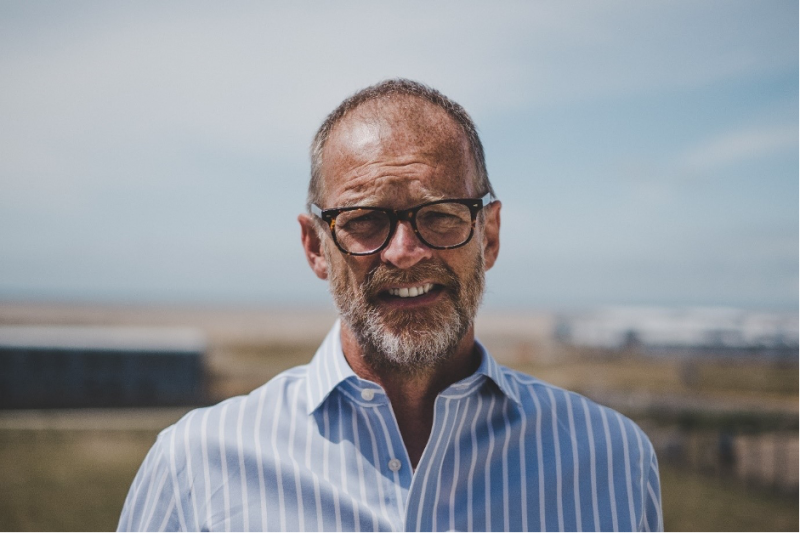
[
  {"x": 337, "y": 269},
  {"x": 347, "y": 268},
  {"x": 463, "y": 260}
]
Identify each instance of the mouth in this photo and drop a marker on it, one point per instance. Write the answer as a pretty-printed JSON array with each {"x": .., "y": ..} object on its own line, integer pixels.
[
  {"x": 411, "y": 295},
  {"x": 411, "y": 292}
]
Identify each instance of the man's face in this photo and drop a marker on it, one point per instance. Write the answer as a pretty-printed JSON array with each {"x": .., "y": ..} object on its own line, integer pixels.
[{"x": 399, "y": 160}]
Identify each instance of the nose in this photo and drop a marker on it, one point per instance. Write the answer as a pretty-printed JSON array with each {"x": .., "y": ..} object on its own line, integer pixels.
[{"x": 405, "y": 249}]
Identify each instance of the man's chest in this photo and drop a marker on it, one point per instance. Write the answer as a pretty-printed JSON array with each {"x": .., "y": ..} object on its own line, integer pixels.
[{"x": 354, "y": 475}]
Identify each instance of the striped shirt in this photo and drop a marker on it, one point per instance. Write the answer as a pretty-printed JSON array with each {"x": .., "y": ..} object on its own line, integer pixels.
[{"x": 318, "y": 448}]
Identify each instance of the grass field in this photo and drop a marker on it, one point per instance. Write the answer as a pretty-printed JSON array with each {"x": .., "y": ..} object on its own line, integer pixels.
[{"x": 67, "y": 480}]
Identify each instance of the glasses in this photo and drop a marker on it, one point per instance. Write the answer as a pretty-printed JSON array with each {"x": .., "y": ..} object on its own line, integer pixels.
[{"x": 442, "y": 224}]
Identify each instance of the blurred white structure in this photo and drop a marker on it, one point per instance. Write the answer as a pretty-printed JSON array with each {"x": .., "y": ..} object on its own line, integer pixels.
[{"x": 690, "y": 327}]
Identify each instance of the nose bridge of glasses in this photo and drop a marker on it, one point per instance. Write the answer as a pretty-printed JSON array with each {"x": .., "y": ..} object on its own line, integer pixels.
[
  {"x": 406, "y": 215},
  {"x": 400, "y": 216},
  {"x": 404, "y": 244}
]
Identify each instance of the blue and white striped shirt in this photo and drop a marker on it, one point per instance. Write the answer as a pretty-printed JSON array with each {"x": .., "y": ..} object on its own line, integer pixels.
[{"x": 318, "y": 448}]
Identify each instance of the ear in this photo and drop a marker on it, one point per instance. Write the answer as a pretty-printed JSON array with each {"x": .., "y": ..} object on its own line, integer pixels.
[
  {"x": 313, "y": 246},
  {"x": 491, "y": 233}
]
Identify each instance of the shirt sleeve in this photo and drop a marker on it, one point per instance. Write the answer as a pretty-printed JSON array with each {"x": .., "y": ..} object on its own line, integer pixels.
[
  {"x": 653, "y": 517},
  {"x": 151, "y": 502}
]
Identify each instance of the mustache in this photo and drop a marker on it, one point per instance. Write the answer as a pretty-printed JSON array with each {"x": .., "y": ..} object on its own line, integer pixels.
[{"x": 383, "y": 275}]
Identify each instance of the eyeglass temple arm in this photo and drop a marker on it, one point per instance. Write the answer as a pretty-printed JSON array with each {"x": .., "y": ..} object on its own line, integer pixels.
[{"x": 315, "y": 210}]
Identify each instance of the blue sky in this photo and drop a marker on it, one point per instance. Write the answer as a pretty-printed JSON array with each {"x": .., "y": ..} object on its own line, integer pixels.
[{"x": 646, "y": 152}]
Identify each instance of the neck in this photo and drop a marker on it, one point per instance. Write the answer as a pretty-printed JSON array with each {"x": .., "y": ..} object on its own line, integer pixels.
[{"x": 413, "y": 394}]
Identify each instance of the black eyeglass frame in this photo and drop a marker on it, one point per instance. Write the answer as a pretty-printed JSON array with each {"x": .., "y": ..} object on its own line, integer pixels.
[{"x": 397, "y": 215}]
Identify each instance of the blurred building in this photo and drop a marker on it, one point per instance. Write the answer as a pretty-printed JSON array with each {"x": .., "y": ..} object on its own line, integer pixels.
[
  {"x": 654, "y": 329},
  {"x": 63, "y": 366}
]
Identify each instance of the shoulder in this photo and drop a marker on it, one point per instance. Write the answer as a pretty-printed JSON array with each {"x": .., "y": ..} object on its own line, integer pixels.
[
  {"x": 234, "y": 417},
  {"x": 194, "y": 452},
  {"x": 602, "y": 450},
  {"x": 555, "y": 406},
  {"x": 536, "y": 392}
]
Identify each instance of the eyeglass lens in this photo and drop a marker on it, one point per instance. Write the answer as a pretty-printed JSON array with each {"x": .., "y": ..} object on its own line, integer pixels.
[{"x": 441, "y": 225}]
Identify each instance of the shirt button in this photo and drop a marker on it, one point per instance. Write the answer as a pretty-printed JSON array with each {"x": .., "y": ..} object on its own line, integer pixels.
[
  {"x": 394, "y": 465},
  {"x": 368, "y": 394}
]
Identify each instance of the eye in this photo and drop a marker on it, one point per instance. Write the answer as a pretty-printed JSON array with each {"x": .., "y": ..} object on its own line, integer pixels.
[
  {"x": 443, "y": 218},
  {"x": 361, "y": 222}
]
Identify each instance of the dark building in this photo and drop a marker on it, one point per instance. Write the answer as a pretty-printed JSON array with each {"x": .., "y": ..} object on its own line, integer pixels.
[{"x": 63, "y": 366}]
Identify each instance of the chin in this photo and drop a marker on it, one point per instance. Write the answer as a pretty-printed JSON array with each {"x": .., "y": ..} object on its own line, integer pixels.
[{"x": 413, "y": 341}]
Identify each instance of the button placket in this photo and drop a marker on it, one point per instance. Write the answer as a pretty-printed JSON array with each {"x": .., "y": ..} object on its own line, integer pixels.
[{"x": 395, "y": 479}]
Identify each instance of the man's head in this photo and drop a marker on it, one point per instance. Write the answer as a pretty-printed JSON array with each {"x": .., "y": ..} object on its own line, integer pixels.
[
  {"x": 396, "y": 91},
  {"x": 398, "y": 145}
]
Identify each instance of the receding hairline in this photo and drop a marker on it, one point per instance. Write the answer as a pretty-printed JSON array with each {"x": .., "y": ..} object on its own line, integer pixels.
[
  {"x": 399, "y": 94},
  {"x": 401, "y": 109}
]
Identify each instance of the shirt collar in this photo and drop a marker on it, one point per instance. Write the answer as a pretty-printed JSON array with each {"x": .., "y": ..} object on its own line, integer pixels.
[
  {"x": 329, "y": 368},
  {"x": 490, "y": 368}
]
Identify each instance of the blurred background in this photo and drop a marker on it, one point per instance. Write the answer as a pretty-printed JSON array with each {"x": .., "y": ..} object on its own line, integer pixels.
[{"x": 153, "y": 160}]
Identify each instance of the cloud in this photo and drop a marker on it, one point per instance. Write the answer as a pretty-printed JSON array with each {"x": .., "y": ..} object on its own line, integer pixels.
[
  {"x": 257, "y": 79},
  {"x": 740, "y": 145}
]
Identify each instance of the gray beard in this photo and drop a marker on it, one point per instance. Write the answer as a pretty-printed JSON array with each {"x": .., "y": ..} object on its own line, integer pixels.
[{"x": 409, "y": 341}]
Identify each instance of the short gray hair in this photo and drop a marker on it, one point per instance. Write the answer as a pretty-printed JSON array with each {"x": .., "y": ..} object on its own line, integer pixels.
[{"x": 391, "y": 89}]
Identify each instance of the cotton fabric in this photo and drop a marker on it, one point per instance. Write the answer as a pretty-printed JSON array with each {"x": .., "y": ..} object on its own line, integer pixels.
[{"x": 318, "y": 448}]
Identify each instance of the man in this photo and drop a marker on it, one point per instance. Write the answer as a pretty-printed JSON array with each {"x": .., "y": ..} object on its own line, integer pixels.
[{"x": 402, "y": 420}]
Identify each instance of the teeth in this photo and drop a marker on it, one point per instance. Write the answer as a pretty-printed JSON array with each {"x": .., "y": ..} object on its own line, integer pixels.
[{"x": 411, "y": 292}]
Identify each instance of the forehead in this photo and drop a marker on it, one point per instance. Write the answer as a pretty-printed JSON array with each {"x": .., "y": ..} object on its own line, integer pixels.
[{"x": 401, "y": 150}]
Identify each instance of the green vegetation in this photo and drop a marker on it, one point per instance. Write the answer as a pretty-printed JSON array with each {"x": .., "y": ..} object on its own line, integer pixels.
[
  {"x": 630, "y": 372},
  {"x": 67, "y": 480},
  {"x": 694, "y": 502},
  {"x": 764, "y": 378},
  {"x": 238, "y": 368}
]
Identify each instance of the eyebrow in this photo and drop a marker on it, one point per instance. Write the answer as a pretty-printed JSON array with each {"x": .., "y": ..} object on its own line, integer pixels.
[{"x": 368, "y": 203}]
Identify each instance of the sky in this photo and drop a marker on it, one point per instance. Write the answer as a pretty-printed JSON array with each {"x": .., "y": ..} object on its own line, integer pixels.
[{"x": 646, "y": 153}]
